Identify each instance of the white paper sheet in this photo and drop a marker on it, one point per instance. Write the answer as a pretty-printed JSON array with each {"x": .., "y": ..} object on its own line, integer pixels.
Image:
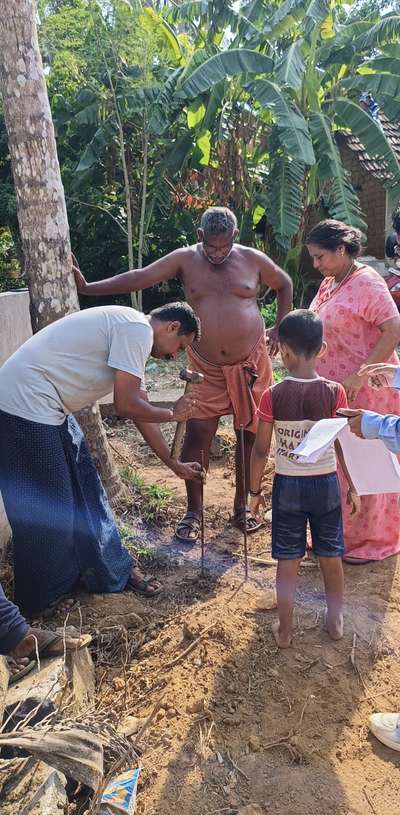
[{"x": 373, "y": 468}]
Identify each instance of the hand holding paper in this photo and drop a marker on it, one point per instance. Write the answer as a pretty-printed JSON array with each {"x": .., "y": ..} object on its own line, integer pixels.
[{"x": 373, "y": 469}]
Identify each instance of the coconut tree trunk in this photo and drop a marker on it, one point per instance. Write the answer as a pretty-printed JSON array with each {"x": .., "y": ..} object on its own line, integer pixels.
[{"x": 42, "y": 214}]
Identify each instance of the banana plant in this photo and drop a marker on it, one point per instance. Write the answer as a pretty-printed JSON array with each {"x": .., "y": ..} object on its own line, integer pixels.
[{"x": 301, "y": 81}]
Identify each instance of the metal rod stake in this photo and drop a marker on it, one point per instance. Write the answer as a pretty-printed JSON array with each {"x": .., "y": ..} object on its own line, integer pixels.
[
  {"x": 202, "y": 516},
  {"x": 246, "y": 563}
]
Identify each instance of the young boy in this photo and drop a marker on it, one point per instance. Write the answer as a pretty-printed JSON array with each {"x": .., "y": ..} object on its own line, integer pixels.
[{"x": 302, "y": 491}]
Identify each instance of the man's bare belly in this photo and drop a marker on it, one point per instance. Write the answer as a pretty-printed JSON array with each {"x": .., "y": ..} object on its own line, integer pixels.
[{"x": 230, "y": 328}]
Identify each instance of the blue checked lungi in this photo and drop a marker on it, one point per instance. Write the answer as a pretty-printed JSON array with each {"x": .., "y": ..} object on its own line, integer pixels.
[{"x": 62, "y": 525}]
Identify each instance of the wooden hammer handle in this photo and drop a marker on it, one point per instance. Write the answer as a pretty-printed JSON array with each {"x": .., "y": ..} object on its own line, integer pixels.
[{"x": 179, "y": 432}]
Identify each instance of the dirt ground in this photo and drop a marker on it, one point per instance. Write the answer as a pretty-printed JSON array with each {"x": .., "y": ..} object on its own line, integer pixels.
[{"x": 240, "y": 722}]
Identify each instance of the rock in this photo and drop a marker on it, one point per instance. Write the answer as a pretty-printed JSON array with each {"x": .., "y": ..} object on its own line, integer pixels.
[
  {"x": 196, "y": 707},
  {"x": 267, "y": 601},
  {"x": 33, "y": 788},
  {"x": 130, "y": 725},
  {"x": 171, "y": 713},
  {"x": 254, "y": 744},
  {"x": 50, "y": 683},
  {"x": 251, "y": 809},
  {"x": 118, "y": 683},
  {"x": 232, "y": 720},
  {"x": 187, "y": 633},
  {"x": 82, "y": 679}
]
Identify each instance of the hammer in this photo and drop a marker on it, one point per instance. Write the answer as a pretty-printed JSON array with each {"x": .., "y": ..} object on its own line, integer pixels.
[{"x": 191, "y": 378}]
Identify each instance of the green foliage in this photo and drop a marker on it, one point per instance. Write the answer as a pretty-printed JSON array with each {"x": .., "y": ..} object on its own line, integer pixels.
[
  {"x": 244, "y": 98},
  {"x": 11, "y": 276},
  {"x": 268, "y": 313},
  {"x": 153, "y": 499},
  {"x": 220, "y": 66},
  {"x": 284, "y": 202}
]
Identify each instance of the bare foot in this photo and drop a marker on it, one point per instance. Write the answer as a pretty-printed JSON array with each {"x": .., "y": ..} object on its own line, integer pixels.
[
  {"x": 281, "y": 641},
  {"x": 63, "y": 606},
  {"x": 334, "y": 626}
]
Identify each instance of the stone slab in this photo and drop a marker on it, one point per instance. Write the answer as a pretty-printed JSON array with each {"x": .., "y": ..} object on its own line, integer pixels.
[
  {"x": 3, "y": 685},
  {"x": 162, "y": 399},
  {"x": 58, "y": 679},
  {"x": 31, "y": 788}
]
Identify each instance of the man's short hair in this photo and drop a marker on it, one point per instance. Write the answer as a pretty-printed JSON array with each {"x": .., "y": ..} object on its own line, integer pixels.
[
  {"x": 217, "y": 220},
  {"x": 182, "y": 313},
  {"x": 302, "y": 331}
]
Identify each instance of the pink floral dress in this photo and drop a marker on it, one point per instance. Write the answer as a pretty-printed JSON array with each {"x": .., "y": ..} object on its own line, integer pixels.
[{"x": 352, "y": 314}]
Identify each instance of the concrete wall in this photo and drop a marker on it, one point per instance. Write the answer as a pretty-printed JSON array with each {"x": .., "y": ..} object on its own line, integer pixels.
[{"x": 15, "y": 328}]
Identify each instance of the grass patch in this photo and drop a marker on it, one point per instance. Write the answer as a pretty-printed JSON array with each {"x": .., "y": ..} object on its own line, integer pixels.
[
  {"x": 135, "y": 547},
  {"x": 152, "y": 500}
]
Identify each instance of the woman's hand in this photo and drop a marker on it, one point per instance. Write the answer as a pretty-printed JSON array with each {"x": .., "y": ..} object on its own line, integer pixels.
[
  {"x": 353, "y": 500},
  {"x": 379, "y": 374},
  {"x": 352, "y": 385}
]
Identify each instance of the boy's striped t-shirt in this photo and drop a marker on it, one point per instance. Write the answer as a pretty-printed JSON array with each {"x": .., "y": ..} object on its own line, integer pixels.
[{"x": 294, "y": 406}]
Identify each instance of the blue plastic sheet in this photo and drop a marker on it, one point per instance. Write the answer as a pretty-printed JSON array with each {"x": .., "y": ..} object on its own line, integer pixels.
[{"x": 119, "y": 795}]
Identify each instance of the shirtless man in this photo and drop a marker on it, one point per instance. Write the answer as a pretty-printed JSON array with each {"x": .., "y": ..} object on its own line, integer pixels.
[{"x": 221, "y": 281}]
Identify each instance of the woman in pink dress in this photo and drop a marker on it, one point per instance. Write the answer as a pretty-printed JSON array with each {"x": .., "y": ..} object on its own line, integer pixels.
[{"x": 361, "y": 325}]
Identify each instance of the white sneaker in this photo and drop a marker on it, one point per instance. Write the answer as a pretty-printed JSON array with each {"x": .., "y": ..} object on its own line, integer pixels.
[{"x": 386, "y": 728}]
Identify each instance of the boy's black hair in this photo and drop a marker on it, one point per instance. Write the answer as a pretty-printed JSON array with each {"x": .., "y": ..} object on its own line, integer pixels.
[
  {"x": 302, "y": 331},
  {"x": 182, "y": 313}
]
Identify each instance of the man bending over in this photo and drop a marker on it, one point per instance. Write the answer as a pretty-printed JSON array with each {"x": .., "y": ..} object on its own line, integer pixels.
[{"x": 221, "y": 281}]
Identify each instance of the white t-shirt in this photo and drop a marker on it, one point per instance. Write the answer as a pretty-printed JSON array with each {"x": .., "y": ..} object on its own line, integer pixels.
[{"x": 71, "y": 363}]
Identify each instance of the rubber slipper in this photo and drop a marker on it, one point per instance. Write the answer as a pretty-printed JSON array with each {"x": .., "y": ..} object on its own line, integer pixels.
[
  {"x": 243, "y": 516},
  {"x": 191, "y": 522},
  {"x": 21, "y": 673},
  {"x": 48, "y": 639},
  {"x": 147, "y": 581}
]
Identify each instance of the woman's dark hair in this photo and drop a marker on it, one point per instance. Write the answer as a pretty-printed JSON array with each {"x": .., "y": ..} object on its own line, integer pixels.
[
  {"x": 181, "y": 313},
  {"x": 302, "y": 331},
  {"x": 330, "y": 234}
]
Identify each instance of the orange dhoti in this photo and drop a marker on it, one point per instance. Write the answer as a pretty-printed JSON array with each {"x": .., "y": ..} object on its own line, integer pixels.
[{"x": 232, "y": 389}]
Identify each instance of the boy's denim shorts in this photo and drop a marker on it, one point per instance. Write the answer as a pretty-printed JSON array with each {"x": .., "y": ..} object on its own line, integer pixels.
[{"x": 296, "y": 500}]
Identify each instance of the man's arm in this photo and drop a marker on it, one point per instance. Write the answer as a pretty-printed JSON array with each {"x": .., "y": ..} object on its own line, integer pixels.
[
  {"x": 368, "y": 425},
  {"x": 131, "y": 403},
  {"x": 135, "y": 280},
  {"x": 352, "y": 496},
  {"x": 259, "y": 454},
  {"x": 275, "y": 278}
]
